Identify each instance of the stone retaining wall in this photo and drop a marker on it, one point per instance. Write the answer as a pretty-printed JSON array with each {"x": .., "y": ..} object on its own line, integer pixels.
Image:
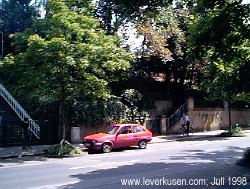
[{"x": 209, "y": 119}]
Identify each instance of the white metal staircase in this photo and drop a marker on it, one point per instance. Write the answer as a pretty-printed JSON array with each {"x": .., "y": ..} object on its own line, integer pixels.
[{"x": 33, "y": 127}]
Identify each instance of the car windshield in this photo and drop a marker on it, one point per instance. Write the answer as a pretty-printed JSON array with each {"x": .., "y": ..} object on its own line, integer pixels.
[{"x": 112, "y": 129}]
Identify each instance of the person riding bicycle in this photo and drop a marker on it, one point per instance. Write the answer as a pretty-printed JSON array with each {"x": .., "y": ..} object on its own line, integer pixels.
[{"x": 186, "y": 123}]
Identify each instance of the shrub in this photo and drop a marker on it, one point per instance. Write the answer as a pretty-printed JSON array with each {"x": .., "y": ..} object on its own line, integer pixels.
[
  {"x": 235, "y": 132},
  {"x": 246, "y": 155},
  {"x": 245, "y": 161},
  {"x": 57, "y": 151}
]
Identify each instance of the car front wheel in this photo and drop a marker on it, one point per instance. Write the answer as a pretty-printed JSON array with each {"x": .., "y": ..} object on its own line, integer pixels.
[
  {"x": 106, "y": 148},
  {"x": 142, "y": 144}
]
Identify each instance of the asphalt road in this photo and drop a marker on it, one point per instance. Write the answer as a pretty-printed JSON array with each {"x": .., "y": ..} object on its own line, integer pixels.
[{"x": 208, "y": 163}]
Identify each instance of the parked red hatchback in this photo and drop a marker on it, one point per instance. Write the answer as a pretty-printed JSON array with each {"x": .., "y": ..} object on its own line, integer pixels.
[{"x": 119, "y": 136}]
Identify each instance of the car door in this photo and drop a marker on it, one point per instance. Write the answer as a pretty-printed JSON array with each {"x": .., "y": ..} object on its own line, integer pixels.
[{"x": 124, "y": 137}]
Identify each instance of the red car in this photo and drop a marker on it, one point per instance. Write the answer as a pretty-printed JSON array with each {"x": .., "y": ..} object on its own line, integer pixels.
[{"x": 119, "y": 136}]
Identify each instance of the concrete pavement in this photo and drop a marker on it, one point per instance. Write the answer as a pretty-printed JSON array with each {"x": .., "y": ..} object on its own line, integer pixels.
[{"x": 17, "y": 151}]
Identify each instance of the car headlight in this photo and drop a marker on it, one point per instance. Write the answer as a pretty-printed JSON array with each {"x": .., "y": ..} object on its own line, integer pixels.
[{"x": 94, "y": 141}]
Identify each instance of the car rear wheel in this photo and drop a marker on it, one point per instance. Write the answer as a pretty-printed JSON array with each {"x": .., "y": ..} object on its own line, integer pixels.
[
  {"x": 142, "y": 144},
  {"x": 106, "y": 148}
]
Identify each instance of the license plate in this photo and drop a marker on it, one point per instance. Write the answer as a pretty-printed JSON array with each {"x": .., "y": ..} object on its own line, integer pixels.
[{"x": 87, "y": 144}]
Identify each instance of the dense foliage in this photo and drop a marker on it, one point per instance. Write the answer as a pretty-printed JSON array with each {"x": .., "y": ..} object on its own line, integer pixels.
[
  {"x": 219, "y": 40},
  {"x": 114, "y": 13},
  {"x": 72, "y": 66},
  {"x": 66, "y": 60},
  {"x": 159, "y": 31},
  {"x": 15, "y": 16}
]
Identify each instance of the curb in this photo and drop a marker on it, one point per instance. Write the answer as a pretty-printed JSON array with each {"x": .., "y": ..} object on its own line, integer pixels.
[
  {"x": 18, "y": 152},
  {"x": 21, "y": 155},
  {"x": 184, "y": 138}
]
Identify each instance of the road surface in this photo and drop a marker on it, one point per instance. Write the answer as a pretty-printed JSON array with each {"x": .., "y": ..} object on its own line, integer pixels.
[{"x": 205, "y": 163}]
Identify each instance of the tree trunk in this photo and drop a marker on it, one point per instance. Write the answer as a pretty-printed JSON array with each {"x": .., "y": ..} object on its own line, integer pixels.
[
  {"x": 61, "y": 125},
  {"x": 230, "y": 119}
]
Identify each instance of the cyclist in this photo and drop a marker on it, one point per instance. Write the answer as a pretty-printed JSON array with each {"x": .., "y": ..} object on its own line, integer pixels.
[{"x": 186, "y": 123}]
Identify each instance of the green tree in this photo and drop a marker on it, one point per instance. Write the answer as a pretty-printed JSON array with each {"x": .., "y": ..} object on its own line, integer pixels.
[
  {"x": 114, "y": 13},
  {"x": 65, "y": 59},
  {"x": 163, "y": 49},
  {"x": 15, "y": 16},
  {"x": 219, "y": 41}
]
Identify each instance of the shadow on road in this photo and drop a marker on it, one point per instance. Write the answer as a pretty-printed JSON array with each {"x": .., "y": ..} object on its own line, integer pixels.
[{"x": 189, "y": 164}]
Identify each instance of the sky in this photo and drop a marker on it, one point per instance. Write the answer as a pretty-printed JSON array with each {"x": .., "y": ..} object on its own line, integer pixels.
[{"x": 246, "y": 2}]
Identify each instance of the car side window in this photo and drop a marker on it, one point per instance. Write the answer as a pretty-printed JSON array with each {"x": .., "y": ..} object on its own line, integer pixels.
[
  {"x": 137, "y": 129},
  {"x": 125, "y": 130}
]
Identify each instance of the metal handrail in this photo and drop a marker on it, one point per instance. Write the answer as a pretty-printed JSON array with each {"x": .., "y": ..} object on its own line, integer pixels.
[
  {"x": 176, "y": 116},
  {"x": 22, "y": 114}
]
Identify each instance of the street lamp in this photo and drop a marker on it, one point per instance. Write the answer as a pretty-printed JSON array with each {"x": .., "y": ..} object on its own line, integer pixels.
[{"x": 2, "y": 45}]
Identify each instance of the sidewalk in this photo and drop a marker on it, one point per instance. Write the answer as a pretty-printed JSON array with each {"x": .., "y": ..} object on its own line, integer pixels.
[
  {"x": 17, "y": 151},
  {"x": 192, "y": 136}
]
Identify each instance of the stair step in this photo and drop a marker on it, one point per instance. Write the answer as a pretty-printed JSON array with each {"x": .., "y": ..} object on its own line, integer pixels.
[{"x": 22, "y": 114}]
